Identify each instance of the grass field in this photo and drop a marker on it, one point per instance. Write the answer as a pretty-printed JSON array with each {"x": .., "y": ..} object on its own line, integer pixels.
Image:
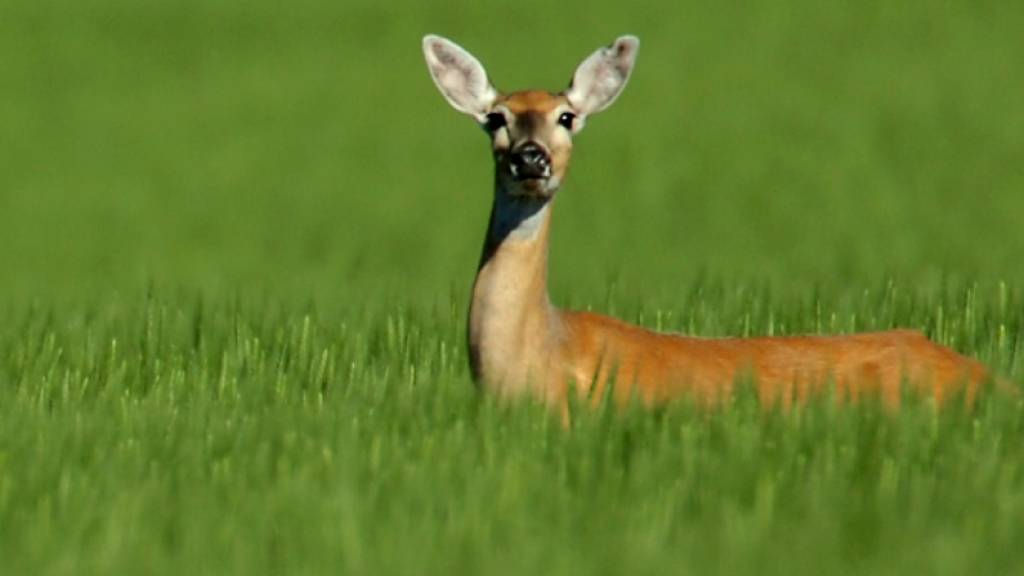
[{"x": 237, "y": 240}]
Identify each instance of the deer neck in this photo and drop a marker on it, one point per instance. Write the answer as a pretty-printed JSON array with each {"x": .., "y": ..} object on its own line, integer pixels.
[{"x": 512, "y": 324}]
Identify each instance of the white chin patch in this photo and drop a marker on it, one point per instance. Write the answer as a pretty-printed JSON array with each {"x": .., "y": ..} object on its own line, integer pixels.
[{"x": 514, "y": 170}]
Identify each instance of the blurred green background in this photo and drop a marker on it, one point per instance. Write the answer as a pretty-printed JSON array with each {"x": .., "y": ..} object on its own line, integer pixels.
[
  {"x": 237, "y": 240},
  {"x": 300, "y": 149}
]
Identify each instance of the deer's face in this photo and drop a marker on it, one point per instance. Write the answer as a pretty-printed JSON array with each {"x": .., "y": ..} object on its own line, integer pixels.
[
  {"x": 531, "y": 136},
  {"x": 531, "y": 131}
]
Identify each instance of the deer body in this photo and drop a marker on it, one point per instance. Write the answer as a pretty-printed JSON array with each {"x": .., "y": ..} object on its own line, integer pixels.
[{"x": 519, "y": 343}]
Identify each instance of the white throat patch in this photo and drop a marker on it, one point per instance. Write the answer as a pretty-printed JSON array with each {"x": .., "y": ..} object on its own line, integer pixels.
[
  {"x": 519, "y": 219},
  {"x": 530, "y": 225}
]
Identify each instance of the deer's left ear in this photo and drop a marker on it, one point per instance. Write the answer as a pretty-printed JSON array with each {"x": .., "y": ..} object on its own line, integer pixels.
[{"x": 601, "y": 77}]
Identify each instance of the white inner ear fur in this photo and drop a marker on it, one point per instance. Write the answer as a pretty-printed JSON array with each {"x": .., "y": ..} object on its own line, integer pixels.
[
  {"x": 459, "y": 76},
  {"x": 601, "y": 77}
]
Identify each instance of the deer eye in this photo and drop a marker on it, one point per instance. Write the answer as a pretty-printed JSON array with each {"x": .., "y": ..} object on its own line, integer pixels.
[
  {"x": 494, "y": 121},
  {"x": 566, "y": 120}
]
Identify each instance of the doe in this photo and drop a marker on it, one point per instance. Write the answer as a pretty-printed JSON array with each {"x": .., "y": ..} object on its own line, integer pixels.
[{"x": 519, "y": 343}]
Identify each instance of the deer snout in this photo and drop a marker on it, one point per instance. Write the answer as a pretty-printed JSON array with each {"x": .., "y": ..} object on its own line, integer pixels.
[{"x": 530, "y": 161}]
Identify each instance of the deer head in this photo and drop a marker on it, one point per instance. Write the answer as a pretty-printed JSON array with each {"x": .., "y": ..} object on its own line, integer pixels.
[{"x": 531, "y": 131}]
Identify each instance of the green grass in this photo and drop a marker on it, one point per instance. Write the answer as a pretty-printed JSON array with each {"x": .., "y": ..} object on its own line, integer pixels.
[{"x": 237, "y": 240}]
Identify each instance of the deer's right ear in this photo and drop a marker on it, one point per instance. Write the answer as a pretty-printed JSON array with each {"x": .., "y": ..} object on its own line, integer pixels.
[{"x": 459, "y": 76}]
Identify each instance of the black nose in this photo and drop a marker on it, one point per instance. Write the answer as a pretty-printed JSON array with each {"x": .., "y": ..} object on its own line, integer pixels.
[{"x": 530, "y": 161}]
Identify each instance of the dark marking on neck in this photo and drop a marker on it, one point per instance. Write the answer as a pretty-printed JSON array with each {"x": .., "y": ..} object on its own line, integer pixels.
[{"x": 508, "y": 213}]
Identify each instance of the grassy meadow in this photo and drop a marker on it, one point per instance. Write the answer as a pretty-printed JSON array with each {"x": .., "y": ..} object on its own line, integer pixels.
[{"x": 237, "y": 241}]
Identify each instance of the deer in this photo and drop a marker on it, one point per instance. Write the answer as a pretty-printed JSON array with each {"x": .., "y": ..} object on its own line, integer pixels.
[{"x": 520, "y": 344}]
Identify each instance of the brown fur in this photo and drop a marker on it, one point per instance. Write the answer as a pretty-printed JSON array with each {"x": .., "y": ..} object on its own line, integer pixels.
[
  {"x": 519, "y": 343},
  {"x": 535, "y": 101},
  {"x": 785, "y": 369}
]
